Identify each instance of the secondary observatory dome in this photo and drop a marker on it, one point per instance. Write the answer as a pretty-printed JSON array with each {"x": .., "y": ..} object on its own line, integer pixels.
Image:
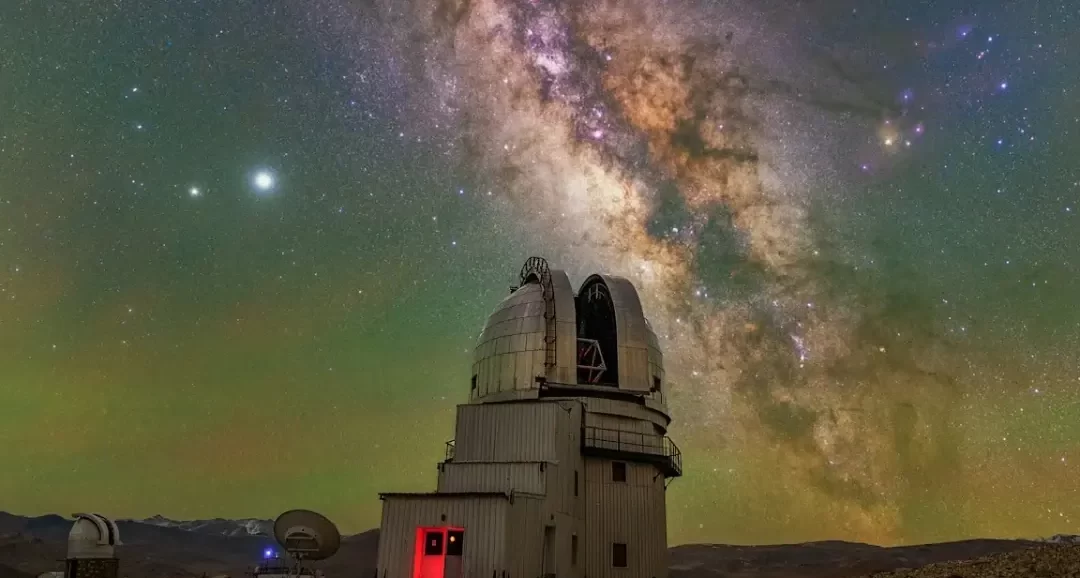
[
  {"x": 543, "y": 334},
  {"x": 93, "y": 536}
]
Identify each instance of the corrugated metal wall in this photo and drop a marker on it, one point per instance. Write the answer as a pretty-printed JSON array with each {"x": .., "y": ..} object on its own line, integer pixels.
[
  {"x": 528, "y": 477},
  {"x": 625, "y": 409},
  {"x": 483, "y": 517},
  {"x": 525, "y": 538},
  {"x": 618, "y": 422},
  {"x": 500, "y": 447},
  {"x": 631, "y": 512},
  {"x": 510, "y": 432}
]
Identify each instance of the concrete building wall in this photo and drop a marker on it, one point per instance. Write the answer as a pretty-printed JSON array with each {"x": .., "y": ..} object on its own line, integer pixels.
[{"x": 484, "y": 519}]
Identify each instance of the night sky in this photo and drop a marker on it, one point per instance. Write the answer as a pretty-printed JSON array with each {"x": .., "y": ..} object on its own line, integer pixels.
[{"x": 246, "y": 247}]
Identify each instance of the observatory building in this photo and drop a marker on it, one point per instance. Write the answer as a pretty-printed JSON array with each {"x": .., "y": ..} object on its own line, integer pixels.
[
  {"x": 561, "y": 458},
  {"x": 92, "y": 546}
]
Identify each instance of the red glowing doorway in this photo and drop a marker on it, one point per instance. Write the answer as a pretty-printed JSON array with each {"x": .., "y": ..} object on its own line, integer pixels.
[{"x": 438, "y": 552}]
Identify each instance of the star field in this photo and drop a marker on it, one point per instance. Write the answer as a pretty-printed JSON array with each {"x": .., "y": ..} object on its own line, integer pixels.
[{"x": 245, "y": 249}]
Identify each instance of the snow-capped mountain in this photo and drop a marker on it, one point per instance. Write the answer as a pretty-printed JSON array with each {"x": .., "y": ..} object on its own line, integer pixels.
[
  {"x": 216, "y": 526},
  {"x": 1062, "y": 539}
]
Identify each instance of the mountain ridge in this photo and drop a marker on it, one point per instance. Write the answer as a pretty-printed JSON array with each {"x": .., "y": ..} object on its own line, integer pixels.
[
  {"x": 223, "y": 526},
  {"x": 159, "y": 547}
]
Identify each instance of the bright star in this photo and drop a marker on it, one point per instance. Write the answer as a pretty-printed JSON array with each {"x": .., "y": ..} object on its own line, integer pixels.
[
  {"x": 194, "y": 192},
  {"x": 264, "y": 181}
]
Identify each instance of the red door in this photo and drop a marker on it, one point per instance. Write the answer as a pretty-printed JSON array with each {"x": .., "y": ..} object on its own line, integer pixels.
[
  {"x": 430, "y": 557},
  {"x": 438, "y": 553},
  {"x": 454, "y": 549}
]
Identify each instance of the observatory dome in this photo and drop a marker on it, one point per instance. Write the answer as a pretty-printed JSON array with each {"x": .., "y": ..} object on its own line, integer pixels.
[
  {"x": 93, "y": 536},
  {"x": 544, "y": 333}
]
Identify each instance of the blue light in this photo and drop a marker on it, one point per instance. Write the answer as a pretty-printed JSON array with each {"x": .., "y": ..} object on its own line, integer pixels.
[{"x": 268, "y": 553}]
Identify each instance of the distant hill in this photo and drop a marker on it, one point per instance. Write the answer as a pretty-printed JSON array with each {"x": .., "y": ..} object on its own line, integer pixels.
[
  {"x": 158, "y": 547},
  {"x": 832, "y": 559}
]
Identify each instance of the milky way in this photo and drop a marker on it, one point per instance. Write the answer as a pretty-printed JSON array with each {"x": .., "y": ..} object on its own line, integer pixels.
[{"x": 634, "y": 137}]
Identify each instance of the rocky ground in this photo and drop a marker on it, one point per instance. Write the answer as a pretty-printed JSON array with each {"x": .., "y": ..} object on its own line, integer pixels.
[{"x": 1051, "y": 561}]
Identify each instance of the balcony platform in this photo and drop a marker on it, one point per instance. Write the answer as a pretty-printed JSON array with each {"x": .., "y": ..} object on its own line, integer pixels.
[{"x": 632, "y": 446}]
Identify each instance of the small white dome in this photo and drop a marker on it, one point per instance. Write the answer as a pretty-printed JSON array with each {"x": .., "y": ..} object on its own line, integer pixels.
[{"x": 93, "y": 536}]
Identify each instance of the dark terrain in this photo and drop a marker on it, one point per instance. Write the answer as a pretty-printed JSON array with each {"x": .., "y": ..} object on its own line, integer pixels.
[{"x": 162, "y": 549}]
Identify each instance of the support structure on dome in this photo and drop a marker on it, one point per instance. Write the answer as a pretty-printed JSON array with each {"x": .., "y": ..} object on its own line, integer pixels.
[
  {"x": 590, "y": 360},
  {"x": 536, "y": 269}
]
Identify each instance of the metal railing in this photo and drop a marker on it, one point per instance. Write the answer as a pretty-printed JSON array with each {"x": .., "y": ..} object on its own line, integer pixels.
[
  {"x": 450, "y": 449},
  {"x": 635, "y": 446}
]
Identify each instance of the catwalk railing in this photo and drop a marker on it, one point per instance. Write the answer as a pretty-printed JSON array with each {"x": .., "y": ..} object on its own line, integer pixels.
[{"x": 633, "y": 446}]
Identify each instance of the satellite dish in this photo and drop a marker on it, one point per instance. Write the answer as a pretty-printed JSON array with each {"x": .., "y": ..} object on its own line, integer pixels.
[{"x": 307, "y": 535}]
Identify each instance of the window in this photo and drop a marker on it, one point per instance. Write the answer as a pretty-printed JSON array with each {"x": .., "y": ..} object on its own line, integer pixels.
[
  {"x": 618, "y": 471},
  {"x": 474, "y": 382},
  {"x": 575, "y": 484},
  {"x": 655, "y": 383},
  {"x": 454, "y": 544},
  {"x": 433, "y": 543},
  {"x": 573, "y": 549},
  {"x": 618, "y": 555}
]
